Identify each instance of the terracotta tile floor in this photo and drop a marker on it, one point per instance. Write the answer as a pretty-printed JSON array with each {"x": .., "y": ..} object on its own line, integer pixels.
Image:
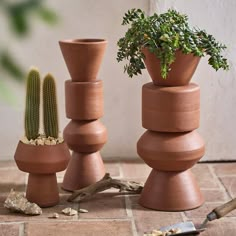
[{"x": 111, "y": 214}]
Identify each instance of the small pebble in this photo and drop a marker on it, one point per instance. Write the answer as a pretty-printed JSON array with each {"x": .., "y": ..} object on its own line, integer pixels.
[
  {"x": 47, "y": 142},
  {"x": 163, "y": 233},
  {"x": 54, "y": 216},
  {"x": 25, "y": 140},
  {"x": 53, "y": 142},
  {"x": 69, "y": 211},
  {"x": 157, "y": 232},
  {"x": 83, "y": 210},
  {"x": 60, "y": 140},
  {"x": 39, "y": 142}
]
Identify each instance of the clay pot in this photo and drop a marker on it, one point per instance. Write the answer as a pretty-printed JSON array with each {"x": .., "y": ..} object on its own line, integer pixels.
[
  {"x": 171, "y": 191},
  {"x": 85, "y": 136},
  {"x": 170, "y": 109},
  {"x": 83, "y": 170},
  {"x": 83, "y": 57},
  {"x": 171, "y": 186},
  {"x": 182, "y": 69},
  {"x": 170, "y": 151},
  {"x": 42, "y": 163},
  {"x": 84, "y": 100}
]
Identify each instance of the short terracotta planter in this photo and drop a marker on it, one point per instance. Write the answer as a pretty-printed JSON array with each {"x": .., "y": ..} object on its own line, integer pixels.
[
  {"x": 182, "y": 69},
  {"x": 83, "y": 57},
  {"x": 84, "y": 100},
  {"x": 170, "y": 109},
  {"x": 42, "y": 162}
]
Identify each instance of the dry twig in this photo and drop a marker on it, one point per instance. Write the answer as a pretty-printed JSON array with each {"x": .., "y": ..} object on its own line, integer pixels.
[{"x": 105, "y": 183}]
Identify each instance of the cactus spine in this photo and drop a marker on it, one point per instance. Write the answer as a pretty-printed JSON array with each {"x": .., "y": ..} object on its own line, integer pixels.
[
  {"x": 50, "y": 116},
  {"x": 32, "y": 107}
]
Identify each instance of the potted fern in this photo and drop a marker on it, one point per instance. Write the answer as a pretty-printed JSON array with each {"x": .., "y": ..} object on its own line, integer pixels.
[
  {"x": 167, "y": 46},
  {"x": 41, "y": 155}
]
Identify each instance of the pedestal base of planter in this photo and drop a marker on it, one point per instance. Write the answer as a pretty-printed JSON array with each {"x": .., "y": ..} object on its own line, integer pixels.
[
  {"x": 42, "y": 189},
  {"x": 171, "y": 191},
  {"x": 84, "y": 169}
]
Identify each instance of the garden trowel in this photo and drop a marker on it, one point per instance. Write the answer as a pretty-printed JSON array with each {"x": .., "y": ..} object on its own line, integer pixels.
[{"x": 188, "y": 228}]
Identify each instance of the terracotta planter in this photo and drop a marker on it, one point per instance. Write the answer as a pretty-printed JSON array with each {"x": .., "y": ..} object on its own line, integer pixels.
[
  {"x": 83, "y": 57},
  {"x": 171, "y": 191},
  {"x": 42, "y": 163},
  {"x": 85, "y": 136},
  {"x": 170, "y": 151},
  {"x": 171, "y": 146},
  {"x": 170, "y": 109},
  {"x": 84, "y": 100},
  {"x": 83, "y": 170},
  {"x": 182, "y": 69}
]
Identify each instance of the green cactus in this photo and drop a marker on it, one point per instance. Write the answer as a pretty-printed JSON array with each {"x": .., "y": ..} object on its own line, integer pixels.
[
  {"x": 50, "y": 116},
  {"x": 32, "y": 107}
]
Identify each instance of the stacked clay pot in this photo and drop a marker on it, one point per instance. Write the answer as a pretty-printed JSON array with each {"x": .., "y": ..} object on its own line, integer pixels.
[
  {"x": 171, "y": 145},
  {"x": 85, "y": 134}
]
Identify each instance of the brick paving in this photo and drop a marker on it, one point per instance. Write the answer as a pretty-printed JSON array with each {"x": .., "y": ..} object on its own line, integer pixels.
[{"x": 113, "y": 214}]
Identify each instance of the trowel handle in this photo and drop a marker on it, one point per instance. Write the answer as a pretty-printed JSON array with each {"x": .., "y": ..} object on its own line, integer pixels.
[{"x": 225, "y": 208}]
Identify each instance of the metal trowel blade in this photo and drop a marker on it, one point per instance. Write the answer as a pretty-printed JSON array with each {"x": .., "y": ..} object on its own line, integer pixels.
[{"x": 187, "y": 228}]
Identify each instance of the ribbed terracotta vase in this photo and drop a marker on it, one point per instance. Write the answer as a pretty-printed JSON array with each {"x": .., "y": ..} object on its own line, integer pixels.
[
  {"x": 42, "y": 162},
  {"x": 85, "y": 134},
  {"x": 171, "y": 146},
  {"x": 181, "y": 70}
]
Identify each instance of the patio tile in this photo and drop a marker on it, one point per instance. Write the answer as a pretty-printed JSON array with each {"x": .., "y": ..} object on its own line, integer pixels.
[
  {"x": 135, "y": 170},
  {"x": 222, "y": 169},
  {"x": 205, "y": 209},
  {"x": 112, "y": 167},
  {"x": 113, "y": 213},
  {"x": 147, "y": 220},
  {"x": 230, "y": 185},
  {"x": 204, "y": 176},
  {"x": 7, "y": 216},
  {"x": 225, "y": 226},
  {"x": 85, "y": 228},
  {"x": 9, "y": 229},
  {"x": 215, "y": 195},
  {"x": 105, "y": 205}
]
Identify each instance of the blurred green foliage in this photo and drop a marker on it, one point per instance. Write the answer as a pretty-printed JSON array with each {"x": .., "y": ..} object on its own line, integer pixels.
[{"x": 19, "y": 18}]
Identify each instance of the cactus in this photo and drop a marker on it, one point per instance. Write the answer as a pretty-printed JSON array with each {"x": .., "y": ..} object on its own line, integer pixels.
[
  {"x": 32, "y": 107},
  {"x": 50, "y": 116}
]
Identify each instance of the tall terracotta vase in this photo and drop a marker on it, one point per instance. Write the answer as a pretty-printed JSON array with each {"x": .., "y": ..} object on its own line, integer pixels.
[
  {"x": 171, "y": 146},
  {"x": 85, "y": 134}
]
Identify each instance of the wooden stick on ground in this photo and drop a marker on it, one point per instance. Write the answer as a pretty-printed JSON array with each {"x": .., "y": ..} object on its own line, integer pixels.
[{"x": 105, "y": 183}]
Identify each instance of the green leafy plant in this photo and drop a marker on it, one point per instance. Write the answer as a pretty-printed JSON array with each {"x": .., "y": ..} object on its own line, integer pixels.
[
  {"x": 163, "y": 35},
  {"x": 32, "y": 105},
  {"x": 50, "y": 116}
]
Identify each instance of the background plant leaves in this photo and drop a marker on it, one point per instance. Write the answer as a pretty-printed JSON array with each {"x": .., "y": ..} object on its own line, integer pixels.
[
  {"x": 19, "y": 16},
  {"x": 11, "y": 66}
]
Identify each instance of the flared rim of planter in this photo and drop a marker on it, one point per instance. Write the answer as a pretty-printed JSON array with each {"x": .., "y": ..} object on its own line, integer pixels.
[{"x": 84, "y": 41}]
